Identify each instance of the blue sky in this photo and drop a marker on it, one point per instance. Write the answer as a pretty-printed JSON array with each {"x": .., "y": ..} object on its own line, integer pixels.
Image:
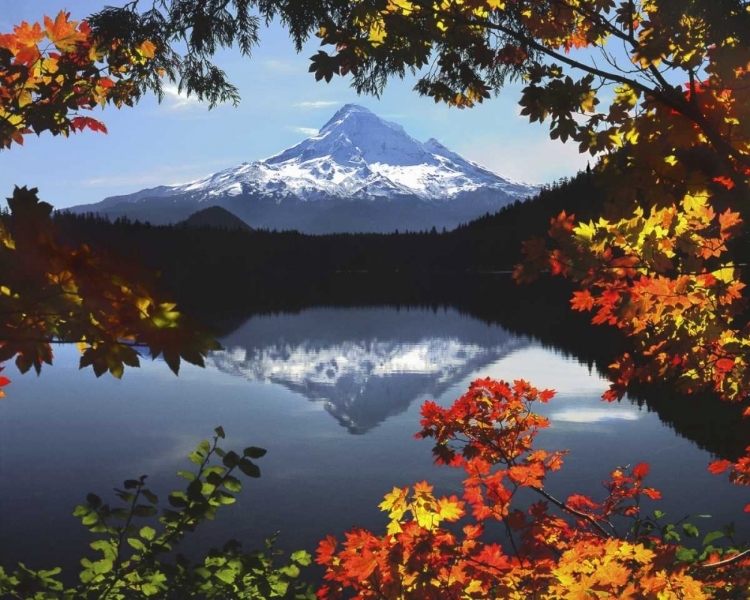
[{"x": 180, "y": 140}]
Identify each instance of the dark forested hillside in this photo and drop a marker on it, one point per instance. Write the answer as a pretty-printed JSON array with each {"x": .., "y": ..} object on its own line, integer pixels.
[
  {"x": 491, "y": 243},
  {"x": 238, "y": 273}
]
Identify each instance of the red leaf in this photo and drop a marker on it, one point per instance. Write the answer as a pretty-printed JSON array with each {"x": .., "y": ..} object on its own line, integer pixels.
[
  {"x": 719, "y": 466},
  {"x": 725, "y": 181},
  {"x": 640, "y": 470},
  {"x": 81, "y": 123}
]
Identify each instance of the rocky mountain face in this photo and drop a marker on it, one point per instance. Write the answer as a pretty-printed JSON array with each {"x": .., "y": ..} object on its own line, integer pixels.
[{"x": 360, "y": 173}]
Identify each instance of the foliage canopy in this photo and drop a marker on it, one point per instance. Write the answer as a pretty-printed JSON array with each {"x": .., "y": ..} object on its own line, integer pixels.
[{"x": 666, "y": 113}]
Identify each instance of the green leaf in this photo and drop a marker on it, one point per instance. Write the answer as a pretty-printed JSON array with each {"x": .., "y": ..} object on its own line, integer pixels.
[
  {"x": 186, "y": 475},
  {"x": 214, "y": 479},
  {"x": 150, "y": 496},
  {"x": 125, "y": 496},
  {"x": 178, "y": 499},
  {"x": 195, "y": 490},
  {"x": 225, "y": 498},
  {"x": 220, "y": 432},
  {"x": 136, "y": 544},
  {"x": 690, "y": 530},
  {"x": 122, "y": 514},
  {"x": 710, "y": 537},
  {"x": 90, "y": 519},
  {"x": 106, "y": 547},
  {"x": 103, "y": 566},
  {"x": 302, "y": 557},
  {"x": 147, "y": 533},
  {"x": 658, "y": 514},
  {"x": 226, "y": 575},
  {"x": 169, "y": 517},
  {"x": 290, "y": 570},
  {"x": 142, "y": 510},
  {"x": 204, "y": 447},
  {"x": 686, "y": 554},
  {"x": 232, "y": 484},
  {"x": 44, "y": 574},
  {"x": 231, "y": 459},
  {"x": 254, "y": 452},
  {"x": 249, "y": 468},
  {"x": 672, "y": 536},
  {"x": 149, "y": 589},
  {"x": 93, "y": 500}
]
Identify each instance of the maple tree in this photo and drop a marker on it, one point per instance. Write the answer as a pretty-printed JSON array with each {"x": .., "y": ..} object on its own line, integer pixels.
[
  {"x": 657, "y": 89},
  {"x": 52, "y": 293},
  {"x": 51, "y": 74},
  {"x": 575, "y": 548},
  {"x": 667, "y": 115}
]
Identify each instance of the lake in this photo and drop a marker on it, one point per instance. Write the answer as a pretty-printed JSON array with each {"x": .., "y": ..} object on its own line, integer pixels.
[{"x": 333, "y": 394}]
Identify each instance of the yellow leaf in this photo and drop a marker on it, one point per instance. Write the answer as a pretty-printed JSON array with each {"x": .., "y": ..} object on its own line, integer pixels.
[
  {"x": 147, "y": 49},
  {"x": 725, "y": 274},
  {"x": 450, "y": 509},
  {"x": 393, "y": 528},
  {"x": 694, "y": 202},
  {"x": 143, "y": 304},
  {"x": 616, "y": 139},
  {"x": 589, "y": 101},
  {"x": 395, "y": 503}
]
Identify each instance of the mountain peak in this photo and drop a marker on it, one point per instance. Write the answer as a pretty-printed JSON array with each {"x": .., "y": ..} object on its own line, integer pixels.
[
  {"x": 351, "y": 109},
  {"x": 358, "y": 173},
  {"x": 355, "y": 119}
]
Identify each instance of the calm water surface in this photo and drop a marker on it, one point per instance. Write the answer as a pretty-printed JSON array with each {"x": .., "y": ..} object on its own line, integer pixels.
[{"x": 334, "y": 396}]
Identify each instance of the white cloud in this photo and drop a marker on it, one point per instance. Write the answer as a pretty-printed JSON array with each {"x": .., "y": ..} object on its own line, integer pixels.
[
  {"x": 313, "y": 104},
  {"x": 164, "y": 175},
  {"x": 303, "y": 130},
  {"x": 282, "y": 66},
  {"x": 547, "y": 370},
  {"x": 594, "y": 415},
  {"x": 533, "y": 161},
  {"x": 175, "y": 100}
]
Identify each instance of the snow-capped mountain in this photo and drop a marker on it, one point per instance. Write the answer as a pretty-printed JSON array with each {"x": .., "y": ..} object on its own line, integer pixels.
[
  {"x": 366, "y": 365},
  {"x": 359, "y": 173}
]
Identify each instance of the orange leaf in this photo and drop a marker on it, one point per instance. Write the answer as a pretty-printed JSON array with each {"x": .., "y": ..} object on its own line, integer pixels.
[
  {"x": 28, "y": 35},
  {"x": 582, "y": 301},
  {"x": 62, "y": 33}
]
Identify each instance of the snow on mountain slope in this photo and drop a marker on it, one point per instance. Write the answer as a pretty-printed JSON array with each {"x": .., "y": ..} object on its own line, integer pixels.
[
  {"x": 363, "y": 365},
  {"x": 358, "y": 154},
  {"x": 358, "y": 173}
]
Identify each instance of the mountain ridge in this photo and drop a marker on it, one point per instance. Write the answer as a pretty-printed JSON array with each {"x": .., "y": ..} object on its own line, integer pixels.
[{"x": 359, "y": 173}]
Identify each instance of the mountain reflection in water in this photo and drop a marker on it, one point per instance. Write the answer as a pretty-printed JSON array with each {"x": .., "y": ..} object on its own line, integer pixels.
[
  {"x": 367, "y": 365},
  {"x": 275, "y": 386}
]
